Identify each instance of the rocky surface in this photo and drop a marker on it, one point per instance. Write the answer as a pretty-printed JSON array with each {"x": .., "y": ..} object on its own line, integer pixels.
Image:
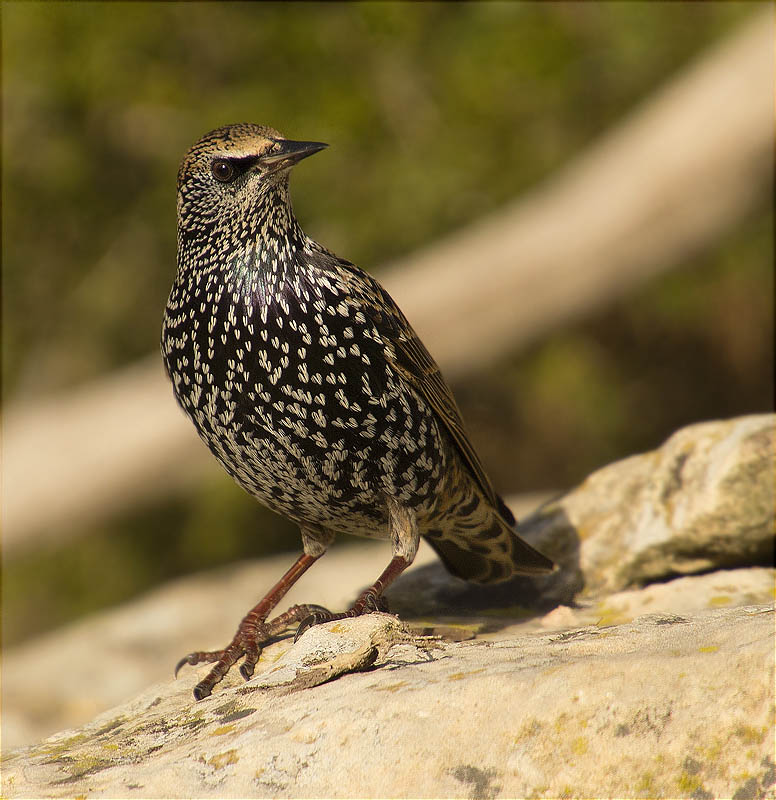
[
  {"x": 665, "y": 706},
  {"x": 597, "y": 680},
  {"x": 704, "y": 500}
]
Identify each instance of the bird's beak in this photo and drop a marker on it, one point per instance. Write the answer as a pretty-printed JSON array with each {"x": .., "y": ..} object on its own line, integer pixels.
[{"x": 291, "y": 152}]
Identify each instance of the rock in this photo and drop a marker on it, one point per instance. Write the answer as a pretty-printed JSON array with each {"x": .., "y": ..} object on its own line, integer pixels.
[
  {"x": 704, "y": 500},
  {"x": 667, "y": 705},
  {"x": 721, "y": 589},
  {"x": 112, "y": 656}
]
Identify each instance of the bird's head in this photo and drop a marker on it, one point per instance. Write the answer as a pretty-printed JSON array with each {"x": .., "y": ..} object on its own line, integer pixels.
[{"x": 230, "y": 171}]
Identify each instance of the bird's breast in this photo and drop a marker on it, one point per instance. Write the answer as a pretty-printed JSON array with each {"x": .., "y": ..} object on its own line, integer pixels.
[{"x": 295, "y": 387}]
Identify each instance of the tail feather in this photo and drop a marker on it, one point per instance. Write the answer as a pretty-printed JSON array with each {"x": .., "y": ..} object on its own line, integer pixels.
[
  {"x": 490, "y": 552},
  {"x": 506, "y": 512}
]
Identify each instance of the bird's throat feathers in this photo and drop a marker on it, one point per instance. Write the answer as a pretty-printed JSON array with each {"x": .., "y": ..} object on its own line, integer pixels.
[
  {"x": 256, "y": 255},
  {"x": 265, "y": 272}
]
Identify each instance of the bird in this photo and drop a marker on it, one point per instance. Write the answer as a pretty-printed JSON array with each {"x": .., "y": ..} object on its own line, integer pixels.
[{"x": 313, "y": 391}]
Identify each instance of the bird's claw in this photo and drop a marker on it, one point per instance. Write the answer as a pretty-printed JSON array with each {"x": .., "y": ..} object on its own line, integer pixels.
[
  {"x": 251, "y": 636},
  {"x": 198, "y": 657},
  {"x": 316, "y": 618},
  {"x": 369, "y": 602}
]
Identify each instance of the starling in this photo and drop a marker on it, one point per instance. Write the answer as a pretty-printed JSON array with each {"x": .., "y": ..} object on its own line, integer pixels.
[{"x": 313, "y": 391}]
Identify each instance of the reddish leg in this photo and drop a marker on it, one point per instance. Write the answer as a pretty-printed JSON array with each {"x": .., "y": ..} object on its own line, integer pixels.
[
  {"x": 254, "y": 631},
  {"x": 369, "y": 600},
  {"x": 403, "y": 528}
]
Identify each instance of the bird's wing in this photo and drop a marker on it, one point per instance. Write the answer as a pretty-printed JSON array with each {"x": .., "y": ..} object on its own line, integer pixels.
[
  {"x": 412, "y": 361},
  {"x": 415, "y": 364}
]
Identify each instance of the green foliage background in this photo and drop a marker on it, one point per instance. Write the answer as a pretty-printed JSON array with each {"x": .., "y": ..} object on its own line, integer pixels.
[{"x": 437, "y": 114}]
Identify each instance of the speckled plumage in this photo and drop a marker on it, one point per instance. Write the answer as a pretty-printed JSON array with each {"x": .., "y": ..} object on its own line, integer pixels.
[{"x": 306, "y": 381}]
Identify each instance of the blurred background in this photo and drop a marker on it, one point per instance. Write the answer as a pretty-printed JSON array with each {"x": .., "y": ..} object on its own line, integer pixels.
[{"x": 439, "y": 116}]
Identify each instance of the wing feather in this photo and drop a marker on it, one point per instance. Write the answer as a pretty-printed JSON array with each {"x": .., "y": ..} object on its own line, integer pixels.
[{"x": 412, "y": 361}]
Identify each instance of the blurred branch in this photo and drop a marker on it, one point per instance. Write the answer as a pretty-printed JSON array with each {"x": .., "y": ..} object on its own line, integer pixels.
[
  {"x": 671, "y": 179},
  {"x": 668, "y": 181}
]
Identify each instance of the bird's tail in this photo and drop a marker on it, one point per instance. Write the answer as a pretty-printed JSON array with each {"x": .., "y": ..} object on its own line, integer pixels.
[{"x": 483, "y": 546}]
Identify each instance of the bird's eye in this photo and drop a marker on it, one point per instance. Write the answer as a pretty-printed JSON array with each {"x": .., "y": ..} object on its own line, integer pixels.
[{"x": 223, "y": 170}]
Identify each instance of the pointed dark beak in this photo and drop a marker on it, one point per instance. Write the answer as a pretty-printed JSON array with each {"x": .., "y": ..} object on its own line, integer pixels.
[{"x": 291, "y": 152}]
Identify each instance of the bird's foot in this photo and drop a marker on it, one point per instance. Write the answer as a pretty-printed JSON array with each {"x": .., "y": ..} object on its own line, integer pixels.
[
  {"x": 367, "y": 603},
  {"x": 251, "y": 636}
]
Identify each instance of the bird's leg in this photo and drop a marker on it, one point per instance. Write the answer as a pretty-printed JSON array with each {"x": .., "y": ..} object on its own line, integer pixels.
[
  {"x": 254, "y": 630},
  {"x": 405, "y": 539}
]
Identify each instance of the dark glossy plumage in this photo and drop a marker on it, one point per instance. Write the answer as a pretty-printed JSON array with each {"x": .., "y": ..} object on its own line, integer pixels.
[{"x": 307, "y": 382}]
